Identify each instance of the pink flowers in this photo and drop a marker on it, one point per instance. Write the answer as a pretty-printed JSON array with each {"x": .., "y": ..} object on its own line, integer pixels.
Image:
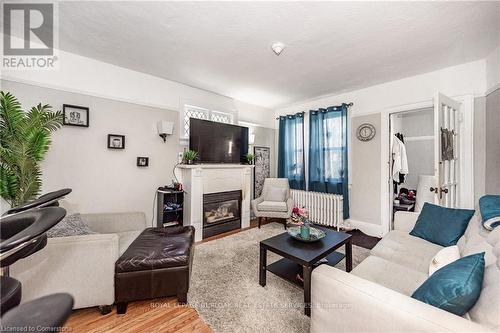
[{"x": 299, "y": 215}]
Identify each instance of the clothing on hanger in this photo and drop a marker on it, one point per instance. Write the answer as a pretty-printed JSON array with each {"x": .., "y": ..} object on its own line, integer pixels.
[{"x": 399, "y": 158}]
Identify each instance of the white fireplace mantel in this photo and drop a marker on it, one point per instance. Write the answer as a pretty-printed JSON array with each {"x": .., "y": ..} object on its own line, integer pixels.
[{"x": 199, "y": 179}]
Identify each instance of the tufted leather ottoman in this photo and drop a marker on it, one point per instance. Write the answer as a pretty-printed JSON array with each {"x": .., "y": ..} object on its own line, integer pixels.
[{"x": 156, "y": 264}]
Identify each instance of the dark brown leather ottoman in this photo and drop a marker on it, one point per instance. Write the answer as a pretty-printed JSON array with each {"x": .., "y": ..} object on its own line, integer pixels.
[{"x": 156, "y": 264}]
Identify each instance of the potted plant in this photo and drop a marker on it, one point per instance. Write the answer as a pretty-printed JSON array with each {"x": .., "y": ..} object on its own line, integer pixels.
[
  {"x": 249, "y": 157},
  {"x": 190, "y": 156},
  {"x": 24, "y": 142}
]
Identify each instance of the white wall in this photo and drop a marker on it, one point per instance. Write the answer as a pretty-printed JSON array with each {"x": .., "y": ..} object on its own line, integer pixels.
[
  {"x": 493, "y": 70},
  {"x": 419, "y": 90},
  {"x": 469, "y": 78},
  {"x": 492, "y": 120},
  {"x": 364, "y": 177},
  {"x": 102, "y": 179},
  {"x": 89, "y": 76},
  {"x": 121, "y": 101}
]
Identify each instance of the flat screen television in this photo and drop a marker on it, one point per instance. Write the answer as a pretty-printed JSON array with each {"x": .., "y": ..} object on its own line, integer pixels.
[{"x": 218, "y": 142}]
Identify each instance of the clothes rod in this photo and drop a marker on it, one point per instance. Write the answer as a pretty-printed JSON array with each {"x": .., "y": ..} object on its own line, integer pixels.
[{"x": 348, "y": 105}]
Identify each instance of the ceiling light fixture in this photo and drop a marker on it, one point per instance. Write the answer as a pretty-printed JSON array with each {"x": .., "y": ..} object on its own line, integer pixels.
[{"x": 278, "y": 48}]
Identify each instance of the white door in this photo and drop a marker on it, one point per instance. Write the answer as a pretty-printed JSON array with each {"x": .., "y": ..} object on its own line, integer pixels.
[{"x": 447, "y": 136}]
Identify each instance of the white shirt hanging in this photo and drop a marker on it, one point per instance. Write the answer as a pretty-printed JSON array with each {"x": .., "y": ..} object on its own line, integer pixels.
[{"x": 400, "y": 161}]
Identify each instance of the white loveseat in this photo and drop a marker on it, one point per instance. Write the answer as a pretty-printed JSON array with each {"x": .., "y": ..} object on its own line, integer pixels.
[
  {"x": 376, "y": 295},
  {"x": 82, "y": 266}
]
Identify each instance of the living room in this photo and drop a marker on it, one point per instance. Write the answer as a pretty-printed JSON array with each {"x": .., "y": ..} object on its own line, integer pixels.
[{"x": 238, "y": 166}]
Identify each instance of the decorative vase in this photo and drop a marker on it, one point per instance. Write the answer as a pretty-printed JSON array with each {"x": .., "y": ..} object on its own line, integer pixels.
[
  {"x": 305, "y": 231},
  {"x": 190, "y": 162}
]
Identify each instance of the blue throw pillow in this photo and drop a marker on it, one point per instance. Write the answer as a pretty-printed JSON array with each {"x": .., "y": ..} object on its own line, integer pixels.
[
  {"x": 489, "y": 206},
  {"x": 455, "y": 287},
  {"x": 441, "y": 225}
]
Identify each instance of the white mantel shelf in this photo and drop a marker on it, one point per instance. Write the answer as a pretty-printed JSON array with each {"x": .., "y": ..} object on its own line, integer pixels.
[{"x": 214, "y": 166}]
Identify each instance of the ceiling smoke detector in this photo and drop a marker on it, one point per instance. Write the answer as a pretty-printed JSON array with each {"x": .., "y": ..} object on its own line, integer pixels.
[{"x": 278, "y": 48}]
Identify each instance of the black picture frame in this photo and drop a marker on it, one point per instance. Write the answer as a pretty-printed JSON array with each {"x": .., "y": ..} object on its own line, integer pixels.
[
  {"x": 111, "y": 145},
  {"x": 142, "y": 161},
  {"x": 261, "y": 170},
  {"x": 67, "y": 113}
]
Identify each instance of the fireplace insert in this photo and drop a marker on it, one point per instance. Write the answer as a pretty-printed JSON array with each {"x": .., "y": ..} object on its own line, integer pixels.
[{"x": 221, "y": 212}]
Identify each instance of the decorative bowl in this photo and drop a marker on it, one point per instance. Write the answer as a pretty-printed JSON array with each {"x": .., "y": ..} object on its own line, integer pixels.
[{"x": 314, "y": 234}]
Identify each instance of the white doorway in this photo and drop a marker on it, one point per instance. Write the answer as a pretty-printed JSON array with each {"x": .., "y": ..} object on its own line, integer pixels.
[{"x": 455, "y": 114}]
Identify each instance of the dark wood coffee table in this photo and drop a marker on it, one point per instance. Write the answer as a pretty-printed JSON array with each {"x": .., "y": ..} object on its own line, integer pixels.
[{"x": 300, "y": 257}]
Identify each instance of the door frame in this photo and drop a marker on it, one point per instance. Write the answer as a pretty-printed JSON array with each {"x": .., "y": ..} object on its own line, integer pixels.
[{"x": 466, "y": 153}]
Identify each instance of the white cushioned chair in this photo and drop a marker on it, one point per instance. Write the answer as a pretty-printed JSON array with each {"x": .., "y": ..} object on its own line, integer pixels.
[
  {"x": 275, "y": 200},
  {"x": 82, "y": 266}
]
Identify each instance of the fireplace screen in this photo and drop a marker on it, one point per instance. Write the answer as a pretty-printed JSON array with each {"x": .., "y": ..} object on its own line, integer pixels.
[
  {"x": 221, "y": 211},
  {"x": 222, "y": 208}
]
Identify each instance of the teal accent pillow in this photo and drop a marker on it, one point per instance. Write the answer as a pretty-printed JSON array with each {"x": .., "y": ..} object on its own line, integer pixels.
[
  {"x": 456, "y": 286},
  {"x": 440, "y": 225},
  {"x": 489, "y": 206}
]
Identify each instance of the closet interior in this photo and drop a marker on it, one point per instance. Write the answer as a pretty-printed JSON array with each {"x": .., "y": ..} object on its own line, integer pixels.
[{"x": 412, "y": 159}]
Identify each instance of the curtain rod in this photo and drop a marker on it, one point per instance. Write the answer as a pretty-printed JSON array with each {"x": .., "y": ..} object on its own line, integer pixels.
[{"x": 348, "y": 106}]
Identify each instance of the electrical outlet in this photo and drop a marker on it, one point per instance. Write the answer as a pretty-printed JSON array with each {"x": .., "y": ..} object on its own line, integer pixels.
[{"x": 179, "y": 158}]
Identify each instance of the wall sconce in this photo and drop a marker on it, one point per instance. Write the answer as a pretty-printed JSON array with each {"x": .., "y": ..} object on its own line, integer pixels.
[
  {"x": 165, "y": 128},
  {"x": 251, "y": 139}
]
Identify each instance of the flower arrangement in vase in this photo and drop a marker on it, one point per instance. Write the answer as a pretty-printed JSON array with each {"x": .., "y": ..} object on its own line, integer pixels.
[{"x": 300, "y": 216}]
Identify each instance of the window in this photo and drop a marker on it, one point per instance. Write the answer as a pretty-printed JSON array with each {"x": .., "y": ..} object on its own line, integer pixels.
[
  {"x": 328, "y": 167},
  {"x": 221, "y": 117},
  {"x": 191, "y": 111},
  {"x": 334, "y": 147}
]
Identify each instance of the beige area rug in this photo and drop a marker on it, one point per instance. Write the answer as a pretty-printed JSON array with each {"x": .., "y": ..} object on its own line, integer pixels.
[{"x": 225, "y": 286}]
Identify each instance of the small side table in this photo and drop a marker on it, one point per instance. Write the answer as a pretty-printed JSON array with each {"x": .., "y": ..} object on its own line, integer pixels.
[{"x": 299, "y": 257}]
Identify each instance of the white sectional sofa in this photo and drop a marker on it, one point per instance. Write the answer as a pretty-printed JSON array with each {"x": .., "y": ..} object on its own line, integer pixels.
[
  {"x": 376, "y": 295},
  {"x": 82, "y": 266}
]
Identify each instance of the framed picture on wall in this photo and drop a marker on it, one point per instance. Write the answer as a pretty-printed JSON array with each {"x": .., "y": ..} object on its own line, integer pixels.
[
  {"x": 74, "y": 115},
  {"x": 142, "y": 161},
  {"x": 262, "y": 169},
  {"x": 116, "y": 141}
]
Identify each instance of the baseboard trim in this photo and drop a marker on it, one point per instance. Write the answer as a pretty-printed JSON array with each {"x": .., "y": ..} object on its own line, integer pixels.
[{"x": 370, "y": 229}]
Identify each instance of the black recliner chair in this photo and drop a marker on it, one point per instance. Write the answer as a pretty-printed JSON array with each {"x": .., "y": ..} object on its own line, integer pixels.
[
  {"x": 22, "y": 232},
  {"x": 46, "y": 200}
]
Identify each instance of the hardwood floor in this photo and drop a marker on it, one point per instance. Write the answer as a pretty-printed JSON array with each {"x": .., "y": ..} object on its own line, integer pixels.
[{"x": 158, "y": 315}]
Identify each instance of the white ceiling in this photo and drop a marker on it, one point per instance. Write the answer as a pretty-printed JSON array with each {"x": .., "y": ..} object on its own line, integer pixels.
[{"x": 332, "y": 47}]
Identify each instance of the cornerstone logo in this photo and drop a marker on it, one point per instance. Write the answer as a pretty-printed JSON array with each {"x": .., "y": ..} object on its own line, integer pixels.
[{"x": 29, "y": 36}]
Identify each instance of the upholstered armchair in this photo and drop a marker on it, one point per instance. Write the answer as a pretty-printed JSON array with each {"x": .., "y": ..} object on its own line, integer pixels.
[{"x": 275, "y": 200}]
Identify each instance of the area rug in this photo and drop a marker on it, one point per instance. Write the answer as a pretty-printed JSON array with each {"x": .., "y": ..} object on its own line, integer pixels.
[{"x": 225, "y": 286}]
